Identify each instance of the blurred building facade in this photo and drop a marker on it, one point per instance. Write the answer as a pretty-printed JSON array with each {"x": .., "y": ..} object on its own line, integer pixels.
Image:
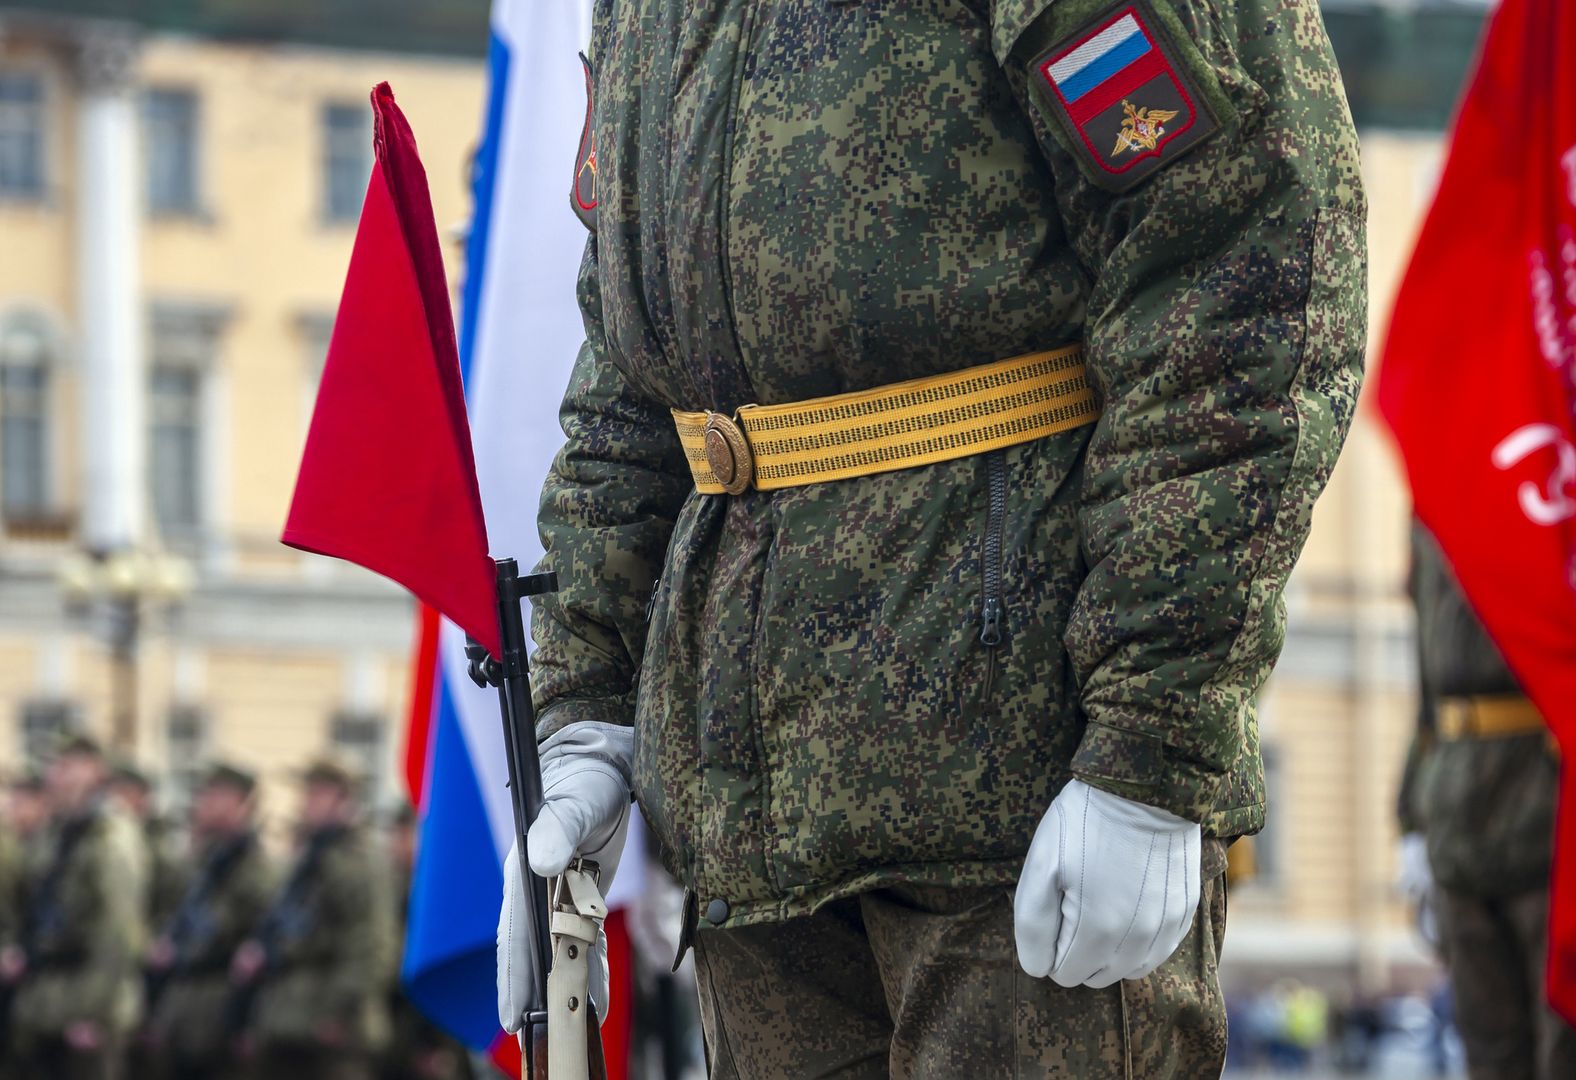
[
  {"x": 177, "y": 206},
  {"x": 1339, "y": 712},
  {"x": 237, "y": 162}
]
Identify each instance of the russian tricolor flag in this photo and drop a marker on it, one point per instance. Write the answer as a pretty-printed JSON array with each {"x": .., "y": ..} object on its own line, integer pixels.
[
  {"x": 519, "y": 331},
  {"x": 1108, "y": 54}
]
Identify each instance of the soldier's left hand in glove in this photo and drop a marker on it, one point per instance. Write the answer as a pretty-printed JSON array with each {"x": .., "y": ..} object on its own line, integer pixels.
[
  {"x": 585, "y": 811},
  {"x": 1108, "y": 890}
]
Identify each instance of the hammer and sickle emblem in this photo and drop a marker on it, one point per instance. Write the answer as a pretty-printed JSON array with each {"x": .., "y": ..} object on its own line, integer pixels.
[{"x": 1555, "y": 501}]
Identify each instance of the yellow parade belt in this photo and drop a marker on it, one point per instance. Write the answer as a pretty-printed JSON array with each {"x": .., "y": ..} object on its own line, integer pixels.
[
  {"x": 917, "y": 422},
  {"x": 1488, "y": 717}
]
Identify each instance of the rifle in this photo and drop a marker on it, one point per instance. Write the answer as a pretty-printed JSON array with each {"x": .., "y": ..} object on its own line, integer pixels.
[
  {"x": 511, "y": 674},
  {"x": 191, "y": 929},
  {"x": 284, "y": 917}
]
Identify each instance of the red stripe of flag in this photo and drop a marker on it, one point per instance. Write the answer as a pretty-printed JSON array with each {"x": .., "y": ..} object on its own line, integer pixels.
[{"x": 1118, "y": 86}]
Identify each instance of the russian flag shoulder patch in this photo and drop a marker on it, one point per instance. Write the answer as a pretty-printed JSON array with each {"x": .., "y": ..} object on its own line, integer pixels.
[{"x": 1126, "y": 104}]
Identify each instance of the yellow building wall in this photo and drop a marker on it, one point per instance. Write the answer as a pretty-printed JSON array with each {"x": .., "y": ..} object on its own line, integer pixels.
[{"x": 262, "y": 251}]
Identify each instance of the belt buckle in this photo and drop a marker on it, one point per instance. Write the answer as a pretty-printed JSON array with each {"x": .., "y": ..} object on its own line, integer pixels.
[{"x": 728, "y": 453}]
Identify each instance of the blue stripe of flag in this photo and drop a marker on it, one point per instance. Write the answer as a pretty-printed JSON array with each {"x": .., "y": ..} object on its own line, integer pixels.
[{"x": 1099, "y": 70}]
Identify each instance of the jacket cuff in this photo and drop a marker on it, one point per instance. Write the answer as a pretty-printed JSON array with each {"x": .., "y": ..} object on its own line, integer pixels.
[
  {"x": 560, "y": 714},
  {"x": 1135, "y": 765}
]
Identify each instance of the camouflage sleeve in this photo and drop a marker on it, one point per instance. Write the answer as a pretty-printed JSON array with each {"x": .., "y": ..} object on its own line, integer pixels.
[
  {"x": 1225, "y": 333},
  {"x": 606, "y": 515}
]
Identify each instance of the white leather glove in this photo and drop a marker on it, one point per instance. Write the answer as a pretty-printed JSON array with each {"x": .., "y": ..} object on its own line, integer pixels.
[
  {"x": 1108, "y": 890},
  {"x": 585, "y": 811},
  {"x": 1414, "y": 875}
]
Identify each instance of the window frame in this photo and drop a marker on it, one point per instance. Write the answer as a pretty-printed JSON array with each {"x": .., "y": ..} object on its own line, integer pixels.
[
  {"x": 189, "y": 338},
  {"x": 332, "y": 156},
  {"x": 44, "y": 511},
  {"x": 194, "y": 204},
  {"x": 346, "y": 727},
  {"x": 38, "y": 191}
]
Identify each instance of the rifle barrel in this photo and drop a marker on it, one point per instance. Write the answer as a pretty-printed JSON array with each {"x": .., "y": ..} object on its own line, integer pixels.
[{"x": 519, "y": 737}]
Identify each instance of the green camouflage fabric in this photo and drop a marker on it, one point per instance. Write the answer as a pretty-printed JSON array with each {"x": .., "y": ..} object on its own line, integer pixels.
[
  {"x": 168, "y": 869},
  {"x": 804, "y": 199},
  {"x": 923, "y": 982},
  {"x": 1496, "y": 949},
  {"x": 86, "y": 929},
  {"x": 15, "y": 873},
  {"x": 1486, "y": 806},
  {"x": 332, "y": 955},
  {"x": 230, "y": 889}
]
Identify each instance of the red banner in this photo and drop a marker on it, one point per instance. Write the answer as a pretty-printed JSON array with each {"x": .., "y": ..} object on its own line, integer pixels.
[
  {"x": 1478, "y": 382},
  {"x": 387, "y": 478}
]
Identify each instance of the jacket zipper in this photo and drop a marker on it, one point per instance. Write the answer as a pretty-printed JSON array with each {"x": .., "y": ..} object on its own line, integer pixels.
[{"x": 992, "y": 617}]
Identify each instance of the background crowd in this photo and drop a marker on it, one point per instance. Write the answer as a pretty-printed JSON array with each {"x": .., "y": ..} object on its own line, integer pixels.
[{"x": 135, "y": 945}]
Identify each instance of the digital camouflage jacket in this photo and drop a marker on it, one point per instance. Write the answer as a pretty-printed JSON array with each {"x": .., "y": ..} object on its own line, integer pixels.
[
  {"x": 889, "y": 678},
  {"x": 329, "y": 935},
  {"x": 229, "y": 892},
  {"x": 85, "y": 928}
]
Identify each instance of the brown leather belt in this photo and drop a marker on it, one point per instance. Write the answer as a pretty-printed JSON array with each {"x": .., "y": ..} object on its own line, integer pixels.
[{"x": 1500, "y": 716}]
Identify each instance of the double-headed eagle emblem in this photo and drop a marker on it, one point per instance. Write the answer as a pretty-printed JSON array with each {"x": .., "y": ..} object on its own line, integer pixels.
[{"x": 1141, "y": 128}]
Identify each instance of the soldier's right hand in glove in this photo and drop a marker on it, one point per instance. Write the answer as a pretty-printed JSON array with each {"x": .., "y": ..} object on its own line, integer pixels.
[
  {"x": 1108, "y": 890},
  {"x": 585, "y": 811},
  {"x": 1415, "y": 876}
]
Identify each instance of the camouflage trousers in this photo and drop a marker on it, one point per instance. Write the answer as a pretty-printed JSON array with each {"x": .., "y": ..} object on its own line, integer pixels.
[
  {"x": 1494, "y": 947},
  {"x": 303, "y": 1063},
  {"x": 924, "y": 982},
  {"x": 51, "y": 1057}
]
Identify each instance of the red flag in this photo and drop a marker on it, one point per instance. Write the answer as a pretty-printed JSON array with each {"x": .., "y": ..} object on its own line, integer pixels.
[
  {"x": 387, "y": 479},
  {"x": 1477, "y": 383}
]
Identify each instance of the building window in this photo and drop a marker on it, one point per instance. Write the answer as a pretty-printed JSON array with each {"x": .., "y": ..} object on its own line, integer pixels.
[
  {"x": 175, "y": 408},
  {"x": 170, "y": 117},
  {"x": 24, "y": 421},
  {"x": 186, "y": 735},
  {"x": 357, "y": 736},
  {"x": 184, "y": 353},
  {"x": 347, "y": 160},
  {"x": 44, "y": 723},
  {"x": 21, "y": 135}
]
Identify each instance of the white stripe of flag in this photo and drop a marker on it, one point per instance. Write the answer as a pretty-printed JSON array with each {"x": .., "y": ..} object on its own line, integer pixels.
[{"x": 1093, "y": 49}]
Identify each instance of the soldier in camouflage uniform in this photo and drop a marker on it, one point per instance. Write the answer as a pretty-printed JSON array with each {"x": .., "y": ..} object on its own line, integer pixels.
[
  {"x": 131, "y": 790},
  {"x": 1477, "y": 812},
  {"x": 167, "y": 866},
  {"x": 79, "y": 989},
  {"x": 188, "y": 963},
  {"x": 872, "y": 720},
  {"x": 314, "y": 973},
  {"x": 419, "y": 1049},
  {"x": 21, "y": 829}
]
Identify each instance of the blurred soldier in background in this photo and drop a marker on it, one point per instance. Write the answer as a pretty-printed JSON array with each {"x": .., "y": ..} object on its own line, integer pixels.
[
  {"x": 132, "y": 792},
  {"x": 167, "y": 869},
  {"x": 75, "y": 967},
  {"x": 419, "y": 1049},
  {"x": 188, "y": 964},
  {"x": 313, "y": 979},
  {"x": 26, "y": 815},
  {"x": 1477, "y": 814}
]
